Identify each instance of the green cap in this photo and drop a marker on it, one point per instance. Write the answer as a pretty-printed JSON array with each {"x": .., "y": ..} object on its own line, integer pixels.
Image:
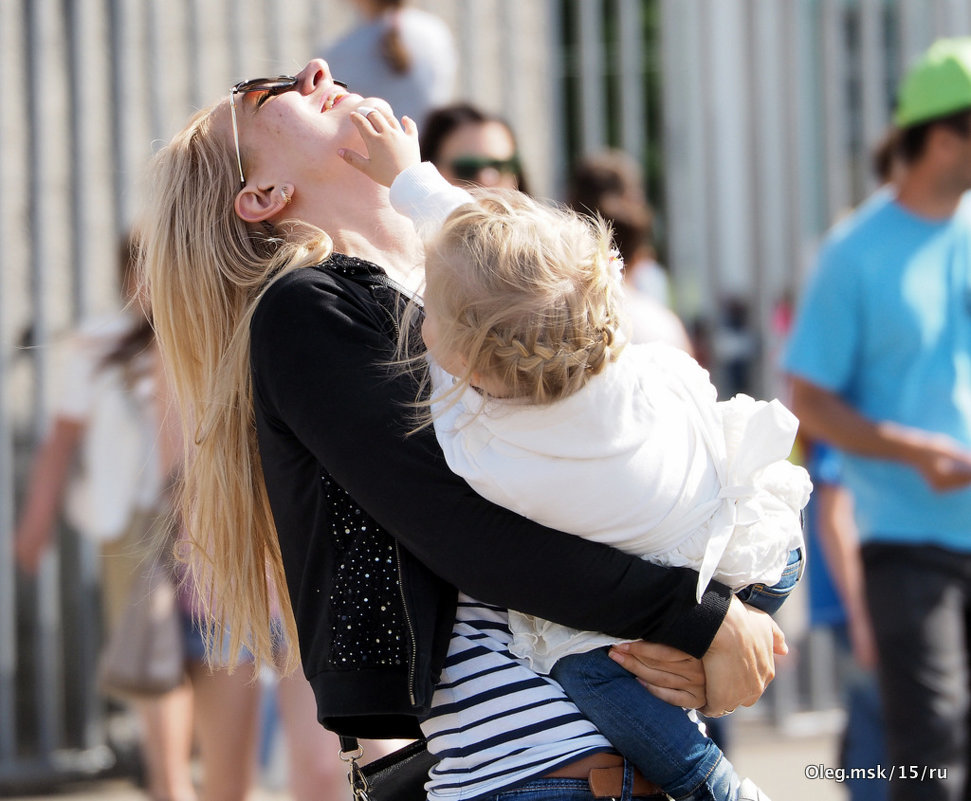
[{"x": 937, "y": 85}]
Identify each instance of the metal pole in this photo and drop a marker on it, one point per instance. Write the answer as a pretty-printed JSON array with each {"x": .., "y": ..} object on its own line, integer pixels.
[
  {"x": 835, "y": 109},
  {"x": 873, "y": 80},
  {"x": 593, "y": 109},
  {"x": 509, "y": 58},
  {"x": 632, "y": 78},
  {"x": 155, "y": 69},
  {"x": 559, "y": 127},
  {"x": 8, "y": 611},
  {"x": 119, "y": 89},
  {"x": 469, "y": 35},
  {"x": 48, "y": 691}
]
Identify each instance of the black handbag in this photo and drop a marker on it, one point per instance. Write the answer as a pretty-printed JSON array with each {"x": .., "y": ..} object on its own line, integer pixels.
[{"x": 399, "y": 776}]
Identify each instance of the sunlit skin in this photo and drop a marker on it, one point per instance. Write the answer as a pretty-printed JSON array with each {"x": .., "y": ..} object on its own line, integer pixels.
[{"x": 291, "y": 145}]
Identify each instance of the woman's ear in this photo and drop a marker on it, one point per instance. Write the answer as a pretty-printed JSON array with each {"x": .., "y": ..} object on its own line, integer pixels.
[{"x": 255, "y": 204}]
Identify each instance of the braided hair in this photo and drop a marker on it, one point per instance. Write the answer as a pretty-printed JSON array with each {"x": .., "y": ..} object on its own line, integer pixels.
[{"x": 526, "y": 293}]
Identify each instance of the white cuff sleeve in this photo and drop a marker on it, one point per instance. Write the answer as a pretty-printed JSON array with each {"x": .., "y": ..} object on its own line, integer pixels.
[{"x": 421, "y": 194}]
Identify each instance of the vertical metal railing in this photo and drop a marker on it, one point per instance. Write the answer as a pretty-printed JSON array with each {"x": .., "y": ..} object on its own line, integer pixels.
[
  {"x": 8, "y": 634},
  {"x": 629, "y": 64},
  {"x": 45, "y": 593}
]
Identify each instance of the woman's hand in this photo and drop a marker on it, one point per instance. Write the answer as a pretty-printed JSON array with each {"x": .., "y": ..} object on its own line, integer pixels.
[
  {"x": 392, "y": 146},
  {"x": 740, "y": 662},
  {"x": 735, "y": 671},
  {"x": 670, "y": 674}
]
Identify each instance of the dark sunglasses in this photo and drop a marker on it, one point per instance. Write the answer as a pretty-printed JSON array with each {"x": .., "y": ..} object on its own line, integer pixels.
[
  {"x": 467, "y": 168},
  {"x": 272, "y": 86}
]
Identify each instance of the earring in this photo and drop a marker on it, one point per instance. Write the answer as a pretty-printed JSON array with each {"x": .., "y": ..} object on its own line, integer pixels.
[{"x": 286, "y": 196}]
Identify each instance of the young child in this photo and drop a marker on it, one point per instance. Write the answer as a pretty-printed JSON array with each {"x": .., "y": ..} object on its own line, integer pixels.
[{"x": 540, "y": 407}]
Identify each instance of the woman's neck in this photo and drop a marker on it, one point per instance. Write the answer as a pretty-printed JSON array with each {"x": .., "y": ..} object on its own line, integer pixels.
[
  {"x": 400, "y": 255},
  {"x": 363, "y": 224}
]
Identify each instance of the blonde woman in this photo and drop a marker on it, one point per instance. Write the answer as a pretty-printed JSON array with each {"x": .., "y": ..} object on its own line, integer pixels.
[{"x": 277, "y": 274}]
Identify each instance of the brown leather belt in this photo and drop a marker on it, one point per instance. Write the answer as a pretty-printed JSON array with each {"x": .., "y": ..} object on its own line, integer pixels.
[{"x": 605, "y": 773}]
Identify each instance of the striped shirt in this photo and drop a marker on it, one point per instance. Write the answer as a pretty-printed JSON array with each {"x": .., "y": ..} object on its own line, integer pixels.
[{"x": 494, "y": 723}]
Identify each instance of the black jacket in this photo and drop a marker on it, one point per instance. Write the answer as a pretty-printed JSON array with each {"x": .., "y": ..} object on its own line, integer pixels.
[{"x": 332, "y": 419}]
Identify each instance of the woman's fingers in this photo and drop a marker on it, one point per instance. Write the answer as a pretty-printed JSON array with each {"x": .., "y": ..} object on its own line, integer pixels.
[
  {"x": 687, "y": 698},
  {"x": 670, "y": 674}
]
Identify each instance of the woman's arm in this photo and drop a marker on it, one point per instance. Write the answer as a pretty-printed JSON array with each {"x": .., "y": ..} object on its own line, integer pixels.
[
  {"x": 320, "y": 352},
  {"x": 48, "y": 477}
]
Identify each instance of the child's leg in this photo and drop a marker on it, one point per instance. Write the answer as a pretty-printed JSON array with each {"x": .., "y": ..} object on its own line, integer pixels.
[
  {"x": 660, "y": 739},
  {"x": 769, "y": 599}
]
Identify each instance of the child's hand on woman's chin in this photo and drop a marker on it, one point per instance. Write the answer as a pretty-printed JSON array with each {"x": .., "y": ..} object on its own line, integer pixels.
[{"x": 392, "y": 146}]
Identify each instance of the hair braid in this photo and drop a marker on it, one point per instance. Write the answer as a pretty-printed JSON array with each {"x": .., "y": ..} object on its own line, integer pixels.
[{"x": 526, "y": 293}]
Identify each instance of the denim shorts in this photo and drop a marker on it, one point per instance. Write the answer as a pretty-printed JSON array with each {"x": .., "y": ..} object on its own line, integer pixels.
[
  {"x": 769, "y": 599},
  {"x": 558, "y": 789},
  {"x": 195, "y": 644}
]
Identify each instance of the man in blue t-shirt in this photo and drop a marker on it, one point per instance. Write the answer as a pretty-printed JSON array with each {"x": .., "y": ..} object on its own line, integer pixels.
[{"x": 880, "y": 360}]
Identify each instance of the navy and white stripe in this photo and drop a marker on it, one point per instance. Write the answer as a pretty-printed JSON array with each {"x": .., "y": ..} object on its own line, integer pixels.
[{"x": 495, "y": 723}]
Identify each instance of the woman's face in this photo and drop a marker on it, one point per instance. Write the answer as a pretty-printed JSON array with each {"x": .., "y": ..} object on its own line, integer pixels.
[
  {"x": 297, "y": 133},
  {"x": 479, "y": 153}
]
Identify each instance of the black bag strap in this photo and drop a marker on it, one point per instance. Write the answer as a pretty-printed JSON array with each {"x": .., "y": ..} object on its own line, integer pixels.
[{"x": 351, "y": 751}]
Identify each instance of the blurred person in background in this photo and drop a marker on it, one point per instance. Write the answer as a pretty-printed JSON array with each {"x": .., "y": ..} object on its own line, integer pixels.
[
  {"x": 609, "y": 184},
  {"x": 405, "y": 55},
  {"x": 471, "y": 147},
  {"x": 613, "y": 175},
  {"x": 113, "y": 412},
  {"x": 879, "y": 361},
  {"x": 837, "y": 601}
]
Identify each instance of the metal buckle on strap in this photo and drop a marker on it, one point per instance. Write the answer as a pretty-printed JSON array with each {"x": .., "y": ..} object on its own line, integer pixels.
[{"x": 355, "y": 777}]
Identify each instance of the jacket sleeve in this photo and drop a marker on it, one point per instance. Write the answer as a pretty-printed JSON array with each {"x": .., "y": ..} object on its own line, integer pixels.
[{"x": 320, "y": 368}]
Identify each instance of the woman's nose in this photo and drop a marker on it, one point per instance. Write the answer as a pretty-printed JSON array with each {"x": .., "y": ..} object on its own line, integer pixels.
[
  {"x": 489, "y": 177},
  {"x": 313, "y": 74}
]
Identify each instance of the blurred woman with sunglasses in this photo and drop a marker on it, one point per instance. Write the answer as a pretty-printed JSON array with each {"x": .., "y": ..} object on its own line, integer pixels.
[
  {"x": 470, "y": 146},
  {"x": 277, "y": 274}
]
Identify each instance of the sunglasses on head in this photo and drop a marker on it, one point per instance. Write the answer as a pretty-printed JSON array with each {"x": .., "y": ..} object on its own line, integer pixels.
[
  {"x": 467, "y": 168},
  {"x": 271, "y": 86}
]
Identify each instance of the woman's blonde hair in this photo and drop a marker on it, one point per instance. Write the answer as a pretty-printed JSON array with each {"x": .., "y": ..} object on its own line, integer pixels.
[
  {"x": 204, "y": 271},
  {"x": 527, "y": 293}
]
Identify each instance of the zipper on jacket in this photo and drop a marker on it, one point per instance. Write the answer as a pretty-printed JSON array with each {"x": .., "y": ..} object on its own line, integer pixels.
[{"x": 411, "y": 630}]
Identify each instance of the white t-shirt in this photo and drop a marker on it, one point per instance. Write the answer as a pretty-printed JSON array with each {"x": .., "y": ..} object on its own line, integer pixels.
[{"x": 119, "y": 466}]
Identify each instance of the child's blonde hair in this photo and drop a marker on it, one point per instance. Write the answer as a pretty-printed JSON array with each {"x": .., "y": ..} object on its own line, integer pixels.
[{"x": 529, "y": 294}]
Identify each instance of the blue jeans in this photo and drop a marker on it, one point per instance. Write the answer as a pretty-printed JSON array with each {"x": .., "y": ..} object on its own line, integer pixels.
[
  {"x": 660, "y": 739},
  {"x": 769, "y": 599},
  {"x": 545, "y": 789}
]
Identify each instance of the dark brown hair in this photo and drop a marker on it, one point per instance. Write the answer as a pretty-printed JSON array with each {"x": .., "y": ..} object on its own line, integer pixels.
[
  {"x": 393, "y": 49},
  {"x": 441, "y": 122},
  {"x": 139, "y": 337},
  {"x": 912, "y": 141}
]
